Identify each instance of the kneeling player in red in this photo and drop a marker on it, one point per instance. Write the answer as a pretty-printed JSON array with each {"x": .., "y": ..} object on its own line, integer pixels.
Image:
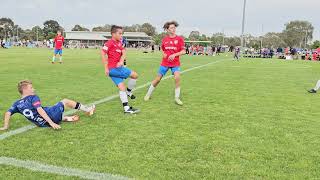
[
  {"x": 30, "y": 106},
  {"x": 173, "y": 47},
  {"x": 114, "y": 68}
]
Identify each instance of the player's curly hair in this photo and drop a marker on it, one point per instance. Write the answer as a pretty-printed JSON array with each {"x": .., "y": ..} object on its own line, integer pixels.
[
  {"x": 114, "y": 28},
  {"x": 22, "y": 84},
  {"x": 167, "y": 24}
]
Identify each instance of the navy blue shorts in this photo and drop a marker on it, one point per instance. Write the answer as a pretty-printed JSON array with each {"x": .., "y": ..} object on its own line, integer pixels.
[{"x": 55, "y": 112}]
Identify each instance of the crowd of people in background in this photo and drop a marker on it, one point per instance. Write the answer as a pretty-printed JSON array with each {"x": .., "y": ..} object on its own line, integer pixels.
[{"x": 287, "y": 53}]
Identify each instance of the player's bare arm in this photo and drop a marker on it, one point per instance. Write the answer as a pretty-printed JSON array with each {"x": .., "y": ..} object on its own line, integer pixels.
[
  {"x": 123, "y": 57},
  {"x": 104, "y": 59},
  {"x": 171, "y": 57},
  {"x": 45, "y": 116},
  {"x": 7, "y": 117}
]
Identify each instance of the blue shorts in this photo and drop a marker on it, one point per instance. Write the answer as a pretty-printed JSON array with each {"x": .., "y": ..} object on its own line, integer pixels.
[
  {"x": 58, "y": 51},
  {"x": 55, "y": 112},
  {"x": 118, "y": 75},
  {"x": 163, "y": 70}
]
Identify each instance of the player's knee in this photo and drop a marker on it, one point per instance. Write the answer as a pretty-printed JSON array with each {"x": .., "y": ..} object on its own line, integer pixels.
[
  {"x": 122, "y": 87},
  {"x": 134, "y": 75},
  {"x": 65, "y": 101}
]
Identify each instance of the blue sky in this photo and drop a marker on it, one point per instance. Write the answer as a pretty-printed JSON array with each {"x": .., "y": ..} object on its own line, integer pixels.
[{"x": 206, "y": 16}]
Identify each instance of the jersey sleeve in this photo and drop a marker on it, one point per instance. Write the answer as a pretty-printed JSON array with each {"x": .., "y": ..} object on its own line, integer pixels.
[
  {"x": 182, "y": 44},
  {"x": 162, "y": 44},
  {"x": 13, "y": 109},
  {"x": 106, "y": 47},
  {"x": 36, "y": 103}
]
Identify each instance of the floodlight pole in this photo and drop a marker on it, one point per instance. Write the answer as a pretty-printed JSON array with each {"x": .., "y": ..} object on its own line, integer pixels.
[
  {"x": 243, "y": 22},
  {"x": 223, "y": 37},
  {"x": 37, "y": 34}
]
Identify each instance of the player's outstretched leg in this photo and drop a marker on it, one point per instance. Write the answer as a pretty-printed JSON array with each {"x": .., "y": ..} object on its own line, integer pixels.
[
  {"x": 315, "y": 89},
  {"x": 124, "y": 100},
  {"x": 89, "y": 110},
  {"x": 132, "y": 84},
  {"x": 53, "y": 59},
  {"x": 177, "y": 89},
  {"x": 60, "y": 59},
  {"x": 152, "y": 87}
]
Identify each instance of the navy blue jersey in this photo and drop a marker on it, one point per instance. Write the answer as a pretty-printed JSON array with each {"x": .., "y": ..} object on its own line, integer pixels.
[
  {"x": 27, "y": 106},
  {"x": 124, "y": 42}
]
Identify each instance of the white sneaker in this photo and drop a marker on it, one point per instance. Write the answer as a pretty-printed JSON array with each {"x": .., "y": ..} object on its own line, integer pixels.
[
  {"x": 178, "y": 101},
  {"x": 147, "y": 98},
  {"x": 91, "y": 112}
]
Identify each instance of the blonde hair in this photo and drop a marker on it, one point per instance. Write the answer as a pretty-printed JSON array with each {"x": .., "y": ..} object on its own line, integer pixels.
[{"x": 22, "y": 84}]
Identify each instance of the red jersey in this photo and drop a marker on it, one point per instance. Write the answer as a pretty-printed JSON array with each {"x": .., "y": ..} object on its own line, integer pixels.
[
  {"x": 58, "y": 41},
  {"x": 171, "y": 46},
  {"x": 113, "y": 49}
]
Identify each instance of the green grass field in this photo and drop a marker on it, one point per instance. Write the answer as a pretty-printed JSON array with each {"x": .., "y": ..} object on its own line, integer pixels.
[{"x": 241, "y": 120}]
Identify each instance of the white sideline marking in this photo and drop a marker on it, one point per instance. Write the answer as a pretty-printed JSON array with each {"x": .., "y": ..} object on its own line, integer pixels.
[
  {"x": 39, "y": 167},
  {"x": 29, "y": 127}
]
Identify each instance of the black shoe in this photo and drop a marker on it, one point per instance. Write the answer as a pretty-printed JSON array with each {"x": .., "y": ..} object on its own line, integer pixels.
[
  {"x": 312, "y": 91},
  {"x": 132, "y": 110},
  {"x": 132, "y": 96}
]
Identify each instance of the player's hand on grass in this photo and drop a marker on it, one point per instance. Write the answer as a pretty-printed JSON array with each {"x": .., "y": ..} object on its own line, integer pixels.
[
  {"x": 55, "y": 126},
  {"x": 171, "y": 57}
]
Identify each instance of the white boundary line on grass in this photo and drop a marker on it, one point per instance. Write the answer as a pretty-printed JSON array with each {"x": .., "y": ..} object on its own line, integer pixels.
[
  {"x": 29, "y": 127},
  {"x": 39, "y": 167}
]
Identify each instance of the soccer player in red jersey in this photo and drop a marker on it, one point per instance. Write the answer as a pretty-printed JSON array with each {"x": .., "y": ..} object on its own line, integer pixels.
[
  {"x": 114, "y": 68},
  {"x": 173, "y": 47},
  {"x": 58, "y": 44}
]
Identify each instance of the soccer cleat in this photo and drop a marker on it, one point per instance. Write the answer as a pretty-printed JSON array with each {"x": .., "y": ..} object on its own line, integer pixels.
[
  {"x": 130, "y": 95},
  {"x": 178, "y": 101},
  {"x": 147, "y": 98},
  {"x": 61, "y": 62},
  {"x": 312, "y": 91},
  {"x": 91, "y": 112},
  {"x": 131, "y": 110},
  {"x": 52, "y": 62}
]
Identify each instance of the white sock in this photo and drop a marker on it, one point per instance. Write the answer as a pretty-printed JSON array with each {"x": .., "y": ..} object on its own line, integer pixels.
[
  {"x": 317, "y": 86},
  {"x": 124, "y": 99},
  {"x": 132, "y": 83},
  {"x": 60, "y": 58},
  {"x": 177, "y": 92},
  {"x": 53, "y": 58},
  {"x": 84, "y": 108},
  {"x": 150, "y": 90}
]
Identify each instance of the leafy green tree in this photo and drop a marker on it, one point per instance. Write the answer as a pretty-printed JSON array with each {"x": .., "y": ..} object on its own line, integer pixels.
[
  {"x": 6, "y": 27},
  {"x": 298, "y": 33},
  {"x": 77, "y": 27},
  {"x": 105, "y": 28},
  {"x": 315, "y": 44},
  {"x": 148, "y": 29},
  {"x": 50, "y": 28}
]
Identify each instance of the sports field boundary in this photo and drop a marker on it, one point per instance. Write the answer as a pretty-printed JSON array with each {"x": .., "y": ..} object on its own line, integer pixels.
[
  {"x": 106, "y": 99},
  {"x": 40, "y": 167}
]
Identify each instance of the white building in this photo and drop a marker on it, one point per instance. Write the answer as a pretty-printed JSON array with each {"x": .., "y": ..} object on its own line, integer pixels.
[{"x": 97, "y": 39}]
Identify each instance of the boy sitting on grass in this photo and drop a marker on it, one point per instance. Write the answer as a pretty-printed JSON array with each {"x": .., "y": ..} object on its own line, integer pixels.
[{"x": 30, "y": 107}]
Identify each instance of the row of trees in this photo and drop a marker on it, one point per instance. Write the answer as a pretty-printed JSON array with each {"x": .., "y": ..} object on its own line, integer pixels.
[{"x": 295, "y": 34}]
